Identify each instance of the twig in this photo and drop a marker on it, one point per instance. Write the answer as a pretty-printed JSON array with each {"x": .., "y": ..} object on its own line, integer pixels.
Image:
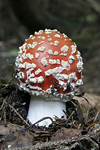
[
  {"x": 42, "y": 119},
  {"x": 70, "y": 116},
  {"x": 4, "y": 111},
  {"x": 18, "y": 114},
  {"x": 74, "y": 125},
  {"x": 2, "y": 105},
  {"x": 96, "y": 116},
  {"x": 65, "y": 112},
  {"x": 4, "y": 87},
  {"x": 89, "y": 120},
  {"x": 4, "y": 114},
  {"x": 93, "y": 143},
  {"x": 88, "y": 102}
]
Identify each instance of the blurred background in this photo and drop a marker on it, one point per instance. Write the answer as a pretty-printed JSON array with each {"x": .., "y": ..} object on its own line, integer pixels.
[{"x": 79, "y": 19}]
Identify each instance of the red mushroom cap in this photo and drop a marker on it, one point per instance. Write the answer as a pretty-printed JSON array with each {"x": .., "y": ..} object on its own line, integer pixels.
[{"x": 49, "y": 63}]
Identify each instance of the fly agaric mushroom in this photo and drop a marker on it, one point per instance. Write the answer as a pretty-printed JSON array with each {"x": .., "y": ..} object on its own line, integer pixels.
[{"x": 49, "y": 67}]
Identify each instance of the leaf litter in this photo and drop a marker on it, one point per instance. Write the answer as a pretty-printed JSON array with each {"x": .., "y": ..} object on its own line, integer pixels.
[{"x": 80, "y": 130}]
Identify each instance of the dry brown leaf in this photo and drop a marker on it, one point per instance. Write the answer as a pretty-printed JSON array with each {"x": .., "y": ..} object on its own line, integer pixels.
[
  {"x": 65, "y": 133},
  {"x": 94, "y": 100},
  {"x": 13, "y": 138}
]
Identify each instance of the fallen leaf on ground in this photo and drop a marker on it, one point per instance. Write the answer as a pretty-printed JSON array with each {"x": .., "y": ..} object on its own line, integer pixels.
[
  {"x": 65, "y": 133},
  {"x": 94, "y": 100},
  {"x": 13, "y": 136}
]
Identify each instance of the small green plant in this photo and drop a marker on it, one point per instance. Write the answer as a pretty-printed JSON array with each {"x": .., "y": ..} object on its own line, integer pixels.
[
  {"x": 13, "y": 52},
  {"x": 91, "y": 18},
  {"x": 85, "y": 110},
  {"x": 3, "y": 81}
]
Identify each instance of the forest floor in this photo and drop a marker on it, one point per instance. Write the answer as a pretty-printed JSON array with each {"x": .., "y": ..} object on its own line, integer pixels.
[{"x": 80, "y": 130}]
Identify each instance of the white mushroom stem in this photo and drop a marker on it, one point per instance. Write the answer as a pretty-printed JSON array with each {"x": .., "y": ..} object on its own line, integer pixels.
[{"x": 39, "y": 107}]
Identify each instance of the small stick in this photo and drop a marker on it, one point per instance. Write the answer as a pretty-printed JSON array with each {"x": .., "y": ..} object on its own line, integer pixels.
[
  {"x": 3, "y": 103},
  {"x": 65, "y": 112},
  {"x": 96, "y": 116},
  {"x": 44, "y": 118},
  {"x": 89, "y": 120},
  {"x": 70, "y": 116},
  {"x": 18, "y": 114}
]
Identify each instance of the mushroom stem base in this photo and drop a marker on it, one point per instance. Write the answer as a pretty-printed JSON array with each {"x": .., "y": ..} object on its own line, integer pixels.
[{"x": 39, "y": 107}]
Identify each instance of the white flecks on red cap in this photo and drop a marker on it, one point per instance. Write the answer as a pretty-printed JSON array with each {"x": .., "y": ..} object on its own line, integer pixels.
[
  {"x": 50, "y": 52},
  {"x": 29, "y": 72},
  {"x": 73, "y": 49},
  {"x": 57, "y": 35},
  {"x": 53, "y": 71},
  {"x": 32, "y": 80},
  {"x": 71, "y": 59},
  {"x": 51, "y": 59},
  {"x": 38, "y": 71},
  {"x": 56, "y": 53},
  {"x": 80, "y": 66},
  {"x": 37, "y": 55},
  {"x": 28, "y": 55},
  {"x": 63, "y": 54},
  {"x": 41, "y": 42},
  {"x": 64, "y": 48},
  {"x": 49, "y": 39},
  {"x": 28, "y": 65},
  {"x": 41, "y": 49},
  {"x": 56, "y": 43},
  {"x": 65, "y": 65},
  {"x": 44, "y": 61},
  {"x": 28, "y": 47},
  {"x": 65, "y": 36},
  {"x": 40, "y": 79},
  {"x": 72, "y": 76},
  {"x": 33, "y": 44},
  {"x": 21, "y": 75}
]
